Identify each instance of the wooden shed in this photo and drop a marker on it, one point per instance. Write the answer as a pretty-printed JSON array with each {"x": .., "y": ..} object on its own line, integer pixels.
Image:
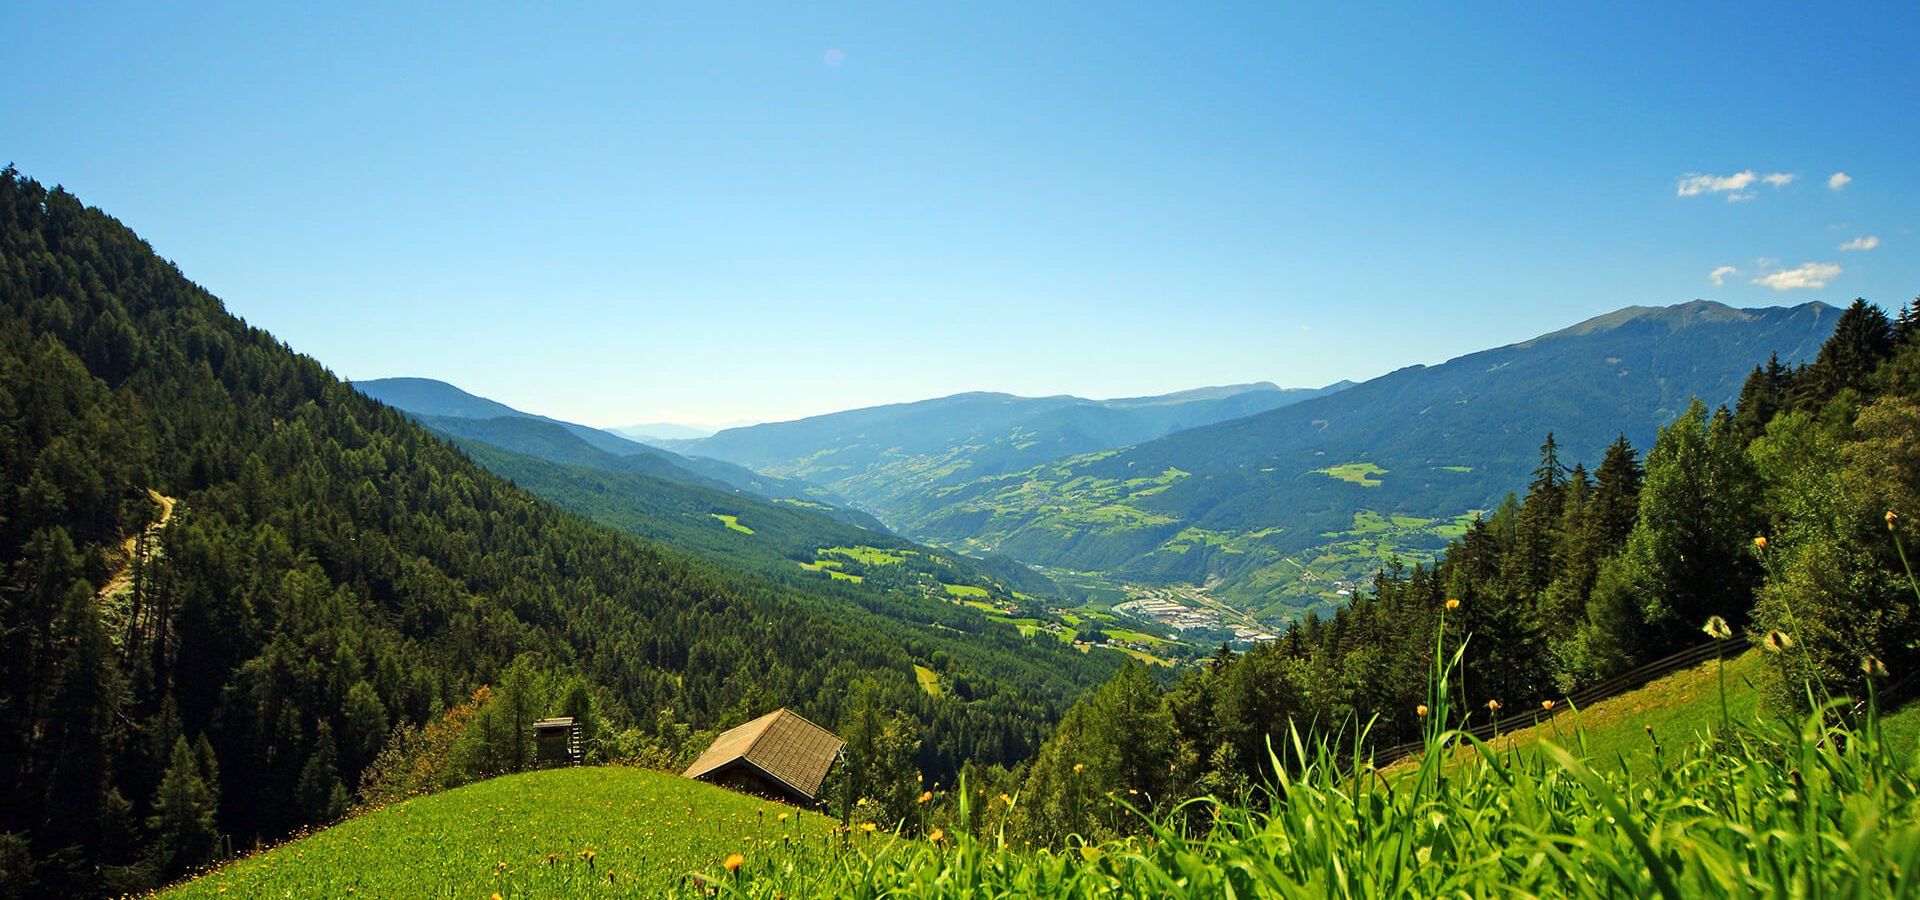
[
  {"x": 557, "y": 742},
  {"x": 780, "y": 755}
]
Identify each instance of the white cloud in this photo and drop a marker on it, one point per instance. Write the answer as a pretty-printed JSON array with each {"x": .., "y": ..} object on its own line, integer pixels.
[
  {"x": 1805, "y": 275},
  {"x": 1734, "y": 186},
  {"x": 1839, "y": 180},
  {"x": 1719, "y": 275},
  {"x": 1862, "y": 243},
  {"x": 1713, "y": 184}
]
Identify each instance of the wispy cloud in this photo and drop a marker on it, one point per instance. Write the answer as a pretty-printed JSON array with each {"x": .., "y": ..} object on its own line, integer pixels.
[
  {"x": 1839, "y": 180},
  {"x": 1805, "y": 275},
  {"x": 1719, "y": 275},
  {"x": 1862, "y": 243},
  {"x": 1734, "y": 186},
  {"x": 1692, "y": 185}
]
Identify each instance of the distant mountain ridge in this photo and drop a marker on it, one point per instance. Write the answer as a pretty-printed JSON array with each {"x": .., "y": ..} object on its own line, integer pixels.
[
  {"x": 1254, "y": 503},
  {"x": 647, "y": 432},
  {"x": 454, "y": 411},
  {"x": 880, "y": 456}
]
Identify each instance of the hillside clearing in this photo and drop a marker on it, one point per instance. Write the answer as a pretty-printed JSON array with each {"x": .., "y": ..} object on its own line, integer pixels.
[
  {"x": 929, "y": 681},
  {"x": 732, "y": 522}
]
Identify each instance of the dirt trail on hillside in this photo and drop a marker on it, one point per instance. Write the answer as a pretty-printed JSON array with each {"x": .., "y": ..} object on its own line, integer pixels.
[{"x": 123, "y": 573}]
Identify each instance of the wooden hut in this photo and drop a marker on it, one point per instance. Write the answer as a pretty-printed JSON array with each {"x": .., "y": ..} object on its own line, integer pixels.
[
  {"x": 780, "y": 755},
  {"x": 556, "y": 742}
]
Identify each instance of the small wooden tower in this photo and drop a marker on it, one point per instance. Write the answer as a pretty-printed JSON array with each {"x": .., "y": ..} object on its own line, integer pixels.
[{"x": 557, "y": 742}]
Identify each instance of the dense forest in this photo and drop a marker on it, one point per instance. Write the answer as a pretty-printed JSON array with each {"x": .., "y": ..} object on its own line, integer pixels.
[
  {"x": 1778, "y": 518},
  {"x": 237, "y": 596}
]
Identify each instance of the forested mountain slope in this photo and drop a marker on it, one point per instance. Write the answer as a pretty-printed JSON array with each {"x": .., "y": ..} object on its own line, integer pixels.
[
  {"x": 332, "y": 572},
  {"x": 785, "y": 540},
  {"x": 885, "y": 457},
  {"x": 455, "y": 411},
  {"x": 1287, "y": 504}
]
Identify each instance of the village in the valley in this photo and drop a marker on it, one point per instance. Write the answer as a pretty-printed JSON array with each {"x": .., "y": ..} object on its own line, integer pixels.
[{"x": 1188, "y": 609}]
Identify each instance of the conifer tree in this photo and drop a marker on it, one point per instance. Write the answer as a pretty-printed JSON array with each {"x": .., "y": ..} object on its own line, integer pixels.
[
  {"x": 184, "y": 810},
  {"x": 1861, "y": 339}
]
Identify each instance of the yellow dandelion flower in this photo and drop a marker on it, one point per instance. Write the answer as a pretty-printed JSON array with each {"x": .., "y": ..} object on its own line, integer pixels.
[
  {"x": 734, "y": 861},
  {"x": 868, "y": 826},
  {"x": 1717, "y": 629},
  {"x": 938, "y": 835},
  {"x": 924, "y": 796},
  {"x": 783, "y": 817},
  {"x": 1079, "y": 767},
  {"x": 1760, "y": 543},
  {"x": 1420, "y": 710},
  {"x": 1891, "y": 516},
  {"x": 1547, "y": 705},
  {"x": 1452, "y": 604},
  {"x": 1493, "y": 706},
  {"x": 1006, "y": 799}
]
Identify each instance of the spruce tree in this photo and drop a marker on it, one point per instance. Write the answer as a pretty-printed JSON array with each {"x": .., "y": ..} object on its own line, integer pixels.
[
  {"x": 184, "y": 811},
  {"x": 1861, "y": 339}
]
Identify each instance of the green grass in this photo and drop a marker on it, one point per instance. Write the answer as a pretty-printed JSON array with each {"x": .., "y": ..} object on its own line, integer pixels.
[
  {"x": 1360, "y": 473},
  {"x": 732, "y": 522},
  {"x": 964, "y": 591},
  {"x": 1761, "y": 807},
  {"x": 832, "y": 568},
  {"x": 1669, "y": 712},
  {"x": 929, "y": 681},
  {"x": 645, "y": 829},
  {"x": 872, "y": 556}
]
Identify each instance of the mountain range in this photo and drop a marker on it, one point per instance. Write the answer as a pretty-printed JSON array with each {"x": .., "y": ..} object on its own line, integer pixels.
[
  {"x": 883, "y": 457},
  {"x": 1279, "y": 502},
  {"x": 766, "y": 524},
  {"x": 449, "y": 409}
]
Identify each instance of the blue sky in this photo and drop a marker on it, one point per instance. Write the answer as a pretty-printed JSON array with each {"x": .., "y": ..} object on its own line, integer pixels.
[{"x": 722, "y": 211}]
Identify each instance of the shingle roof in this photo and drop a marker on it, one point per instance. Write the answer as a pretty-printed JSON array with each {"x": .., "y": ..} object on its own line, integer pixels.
[{"x": 782, "y": 744}]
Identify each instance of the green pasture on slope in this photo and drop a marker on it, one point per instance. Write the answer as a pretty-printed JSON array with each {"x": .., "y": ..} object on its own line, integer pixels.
[
  {"x": 929, "y": 681},
  {"x": 1360, "y": 473},
  {"x": 597, "y": 831},
  {"x": 732, "y": 522}
]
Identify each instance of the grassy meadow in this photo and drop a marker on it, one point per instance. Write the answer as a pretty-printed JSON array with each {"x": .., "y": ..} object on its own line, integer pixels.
[
  {"x": 1723, "y": 807},
  {"x": 601, "y": 831},
  {"x": 1668, "y": 798}
]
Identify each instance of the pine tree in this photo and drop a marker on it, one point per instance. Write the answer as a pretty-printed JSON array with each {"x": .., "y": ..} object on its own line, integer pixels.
[
  {"x": 318, "y": 795},
  {"x": 1764, "y": 393},
  {"x": 184, "y": 809},
  {"x": 1861, "y": 339}
]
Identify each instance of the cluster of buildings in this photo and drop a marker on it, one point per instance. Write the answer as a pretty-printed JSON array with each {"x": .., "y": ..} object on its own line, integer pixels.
[{"x": 1183, "y": 618}]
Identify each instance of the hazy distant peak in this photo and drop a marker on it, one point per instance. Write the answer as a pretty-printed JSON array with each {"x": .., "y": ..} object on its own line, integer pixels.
[
  {"x": 1200, "y": 393},
  {"x": 426, "y": 396},
  {"x": 666, "y": 431},
  {"x": 1675, "y": 317}
]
